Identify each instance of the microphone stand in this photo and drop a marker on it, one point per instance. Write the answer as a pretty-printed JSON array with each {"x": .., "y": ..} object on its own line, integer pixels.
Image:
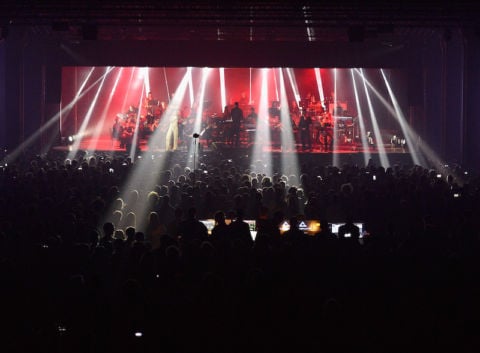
[{"x": 195, "y": 137}]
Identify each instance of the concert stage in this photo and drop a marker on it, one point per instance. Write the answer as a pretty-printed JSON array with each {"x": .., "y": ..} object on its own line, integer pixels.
[{"x": 344, "y": 153}]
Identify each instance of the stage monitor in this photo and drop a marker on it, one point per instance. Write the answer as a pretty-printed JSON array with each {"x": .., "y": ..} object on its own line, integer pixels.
[
  {"x": 334, "y": 228},
  {"x": 309, "y": 227},
  {"x": 209, "y": 223},
  {"x": 252, "y": 224}
]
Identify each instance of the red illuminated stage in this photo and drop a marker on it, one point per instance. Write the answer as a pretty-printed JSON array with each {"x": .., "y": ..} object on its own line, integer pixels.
[
  {"x": 302, "y": 111},
  {"x": 106, "y": 143}
]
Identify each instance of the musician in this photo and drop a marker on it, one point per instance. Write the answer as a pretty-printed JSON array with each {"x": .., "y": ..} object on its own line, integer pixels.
[
  {"x": 326, "y": 131},
  {"x": 275, "y": 125},
  {"x": 252, "y": 116},
  {"x": 274, "y": 111},
  {"x": 237, "y": 117},
  {"x": 295, "y": 113},
  {"x": 116, "y": 129},
  {"x": 226, "y": 113},
  {"x": 304, "y": 127},
  {"x": 128, "y": 130},
  {"x": 172, "y": 132},
  {"x": 151, "y": 106},
  {"x": 310, "y": 98},
  {"x": 243, "y": 102}
]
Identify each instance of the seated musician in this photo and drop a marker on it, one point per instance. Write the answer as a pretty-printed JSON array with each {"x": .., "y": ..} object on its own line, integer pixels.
[
  {"x": 252, "y": 117},
  {"x": 226, "y": 113},
  {"x": 128, "y": 130}
]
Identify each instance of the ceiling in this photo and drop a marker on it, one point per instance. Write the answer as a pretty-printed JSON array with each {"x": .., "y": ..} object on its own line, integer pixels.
[{"x": 246, "y": 21}]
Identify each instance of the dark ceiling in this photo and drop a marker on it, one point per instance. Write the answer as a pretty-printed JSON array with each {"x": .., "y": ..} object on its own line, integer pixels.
[{"x": 298, "y": 21}]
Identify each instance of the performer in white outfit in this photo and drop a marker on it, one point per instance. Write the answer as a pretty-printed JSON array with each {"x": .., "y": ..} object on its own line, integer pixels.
[{"x": 172, "y": 132}]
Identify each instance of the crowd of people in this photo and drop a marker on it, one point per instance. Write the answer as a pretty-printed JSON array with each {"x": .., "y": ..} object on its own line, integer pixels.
[{"x": 83, "y": 270}]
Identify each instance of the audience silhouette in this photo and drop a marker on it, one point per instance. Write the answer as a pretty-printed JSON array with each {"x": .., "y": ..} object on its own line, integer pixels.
[{"x": 84, "y": 270}]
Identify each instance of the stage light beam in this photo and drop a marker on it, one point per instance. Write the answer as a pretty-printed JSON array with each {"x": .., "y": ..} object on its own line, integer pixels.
[
  {"x": 363, "y": 132},
  {"x": 335, "y": 130},
  {"x": 262, "y": 159},
  {"x": 289, "y": 160},
  {"x": 376, "y": 130},
  {"x": 99, "y": 128},
  {"x": 401, "y": 120},
  {"x": 222, "y": 88},
  {"x": 318, "y": 77},
  {"x": 190, "y": 87},
  {"x": 293, "y": 84},
  {"x": 88, "y": 116},
  {"x": 145, "y": 173}
]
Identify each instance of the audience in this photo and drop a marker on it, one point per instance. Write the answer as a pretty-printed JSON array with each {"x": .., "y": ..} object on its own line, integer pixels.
[{"x": 84, "y": 271}]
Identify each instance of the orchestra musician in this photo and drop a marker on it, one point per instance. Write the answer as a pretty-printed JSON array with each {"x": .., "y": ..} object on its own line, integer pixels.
[
  {"x": 226, "y": 113},
  {"x": 152, "y": 107},
  {"x": 128, "y": 130},
  {"x": 252, "y": 116},
  {"x": 275, "y": 125},
  {"x": 251, "y": 124},
  {"x": 237, "y": 117},
  {"x": 305, "y": 136},
  {"x": 326, "y": 131},
  {"x": 295, "y": 114},
  {"x": 124, "y": 126},
  {"x": 243, "y": 102}
]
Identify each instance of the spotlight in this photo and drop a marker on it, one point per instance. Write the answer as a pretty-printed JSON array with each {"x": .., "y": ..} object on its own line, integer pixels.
[{"x": 68, "y": 141}]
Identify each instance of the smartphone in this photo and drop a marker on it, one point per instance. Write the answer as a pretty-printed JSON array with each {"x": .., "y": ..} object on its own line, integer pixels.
[
  {"x": 374, "y": 177},
  {"x": 439, "y": 176},
  {"x": 456, "y": 195},
  {"x": 348, "y": 235}
]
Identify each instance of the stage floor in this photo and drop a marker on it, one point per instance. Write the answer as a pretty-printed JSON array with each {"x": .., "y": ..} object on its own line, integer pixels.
[
  {"x": 107, "y": 144},
  {"x": 342, "y": 154}
]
